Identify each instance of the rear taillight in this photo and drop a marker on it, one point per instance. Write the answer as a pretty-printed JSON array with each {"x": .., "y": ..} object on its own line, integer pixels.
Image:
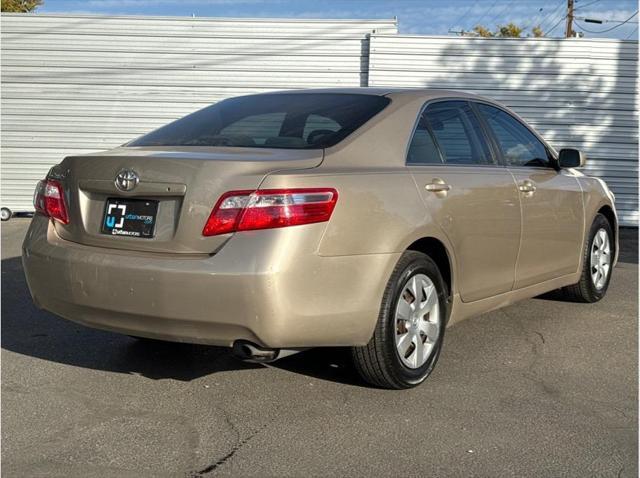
[
  {"x": 270, "y": 208},
  {"x": 49, "y": 200}
]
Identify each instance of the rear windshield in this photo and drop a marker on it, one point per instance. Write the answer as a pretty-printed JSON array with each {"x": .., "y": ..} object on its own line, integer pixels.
[{"x": 291, "y": 121}]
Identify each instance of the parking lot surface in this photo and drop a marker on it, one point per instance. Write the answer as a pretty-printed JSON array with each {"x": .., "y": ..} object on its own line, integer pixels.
[{"x": 541, "y": 388}]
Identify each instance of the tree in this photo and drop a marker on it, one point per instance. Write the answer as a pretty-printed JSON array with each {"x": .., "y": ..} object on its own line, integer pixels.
[
  {"x": 483, "y": 31},
  {"x": 537, "y": 31},
  {"x": 20, "y": 6},
  {"x": 511, "y": 30}
]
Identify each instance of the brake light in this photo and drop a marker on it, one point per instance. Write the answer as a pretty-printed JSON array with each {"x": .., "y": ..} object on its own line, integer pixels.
[
  {"x": 270, "y": 208},
  {"x": 49, "y": 200}
]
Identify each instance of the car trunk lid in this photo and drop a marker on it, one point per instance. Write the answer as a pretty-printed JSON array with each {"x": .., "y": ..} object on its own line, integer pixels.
[{"x": 185, "y": 181}]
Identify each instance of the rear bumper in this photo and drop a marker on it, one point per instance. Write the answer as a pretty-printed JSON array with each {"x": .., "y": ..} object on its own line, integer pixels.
[{"x": 268, "y": 287}]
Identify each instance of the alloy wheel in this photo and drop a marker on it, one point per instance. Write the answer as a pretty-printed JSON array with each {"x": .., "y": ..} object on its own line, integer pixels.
[
  {"x": 600, "y": 259},
  {"x": 417, "y": 321}
]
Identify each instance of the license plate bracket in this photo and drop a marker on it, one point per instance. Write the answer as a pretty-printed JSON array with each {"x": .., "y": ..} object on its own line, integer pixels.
[{"x": 130, "y": 217}]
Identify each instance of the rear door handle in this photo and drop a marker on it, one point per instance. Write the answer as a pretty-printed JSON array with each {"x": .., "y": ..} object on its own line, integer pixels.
[
  {"x": 527, "y": 186},
  {"x": 437, "y": 185}
]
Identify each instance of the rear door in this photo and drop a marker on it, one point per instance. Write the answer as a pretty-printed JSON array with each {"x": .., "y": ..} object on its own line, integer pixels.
[
  {"x": 551, "y": 199},
  {"x": 471, "y": 197}
]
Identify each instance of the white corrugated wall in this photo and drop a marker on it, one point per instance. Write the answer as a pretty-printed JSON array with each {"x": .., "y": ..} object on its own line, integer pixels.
[
  {"x": 80, "y": 83},
  {"x": 74, "y": 84},
  {"x": 577, "y": 93}
]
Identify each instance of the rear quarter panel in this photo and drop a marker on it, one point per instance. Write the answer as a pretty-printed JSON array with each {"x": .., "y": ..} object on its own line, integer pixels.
[
  {"x": 376, "y": 212},
  {"x": 377, "y": 216}
]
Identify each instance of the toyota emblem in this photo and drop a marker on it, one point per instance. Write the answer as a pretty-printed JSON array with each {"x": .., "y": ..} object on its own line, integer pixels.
[{"x": 127, "y": 180}]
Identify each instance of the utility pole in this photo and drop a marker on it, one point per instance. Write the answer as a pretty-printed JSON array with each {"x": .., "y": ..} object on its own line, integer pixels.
[{"x": 569, "y": 30}]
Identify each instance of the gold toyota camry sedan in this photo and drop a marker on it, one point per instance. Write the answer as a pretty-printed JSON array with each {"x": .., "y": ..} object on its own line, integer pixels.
[{"x": 367, "y": 218}]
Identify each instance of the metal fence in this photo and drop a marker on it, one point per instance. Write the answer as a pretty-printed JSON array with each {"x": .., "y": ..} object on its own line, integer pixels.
[
  {"x": 577, "y": 93},
  {"x": 74, "y": 83},
  {"x": 78, "y": 83}
]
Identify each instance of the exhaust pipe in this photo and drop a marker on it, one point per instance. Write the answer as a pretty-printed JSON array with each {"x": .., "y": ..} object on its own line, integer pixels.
[{"x": 249, "y": 352}]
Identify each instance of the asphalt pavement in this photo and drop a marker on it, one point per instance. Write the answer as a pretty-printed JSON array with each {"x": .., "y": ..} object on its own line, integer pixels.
[{"x": 541, "y": 388}]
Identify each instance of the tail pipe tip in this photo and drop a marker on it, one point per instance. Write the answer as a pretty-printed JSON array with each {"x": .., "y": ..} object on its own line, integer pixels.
[{"x": 250, "y": 352}]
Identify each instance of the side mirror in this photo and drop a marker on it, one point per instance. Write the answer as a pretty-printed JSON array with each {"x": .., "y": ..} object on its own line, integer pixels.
[{"x": 571, "y": 158}]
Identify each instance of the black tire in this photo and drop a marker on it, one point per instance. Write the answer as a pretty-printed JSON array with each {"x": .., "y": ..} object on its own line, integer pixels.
[
  {"x": 585, "y": 290},
  {"x": 5, "y": 214},
  {"x": 378, "y": 362}
]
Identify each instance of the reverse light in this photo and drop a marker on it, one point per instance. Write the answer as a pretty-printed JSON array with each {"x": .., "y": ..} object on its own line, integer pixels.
[
  {"x": 49, "y": 200},
  {"x": 270, "y": 208}
]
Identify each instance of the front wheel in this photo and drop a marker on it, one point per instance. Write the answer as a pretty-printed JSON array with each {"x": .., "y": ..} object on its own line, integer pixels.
[
  {"x": 408, "y": 337},
  {"x": 597, "y": 264}
]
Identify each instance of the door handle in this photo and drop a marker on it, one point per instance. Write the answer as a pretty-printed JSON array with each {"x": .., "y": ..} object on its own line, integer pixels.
[
  {"x": 437, "y": 185},
  {"x": 527, "y": 186}
]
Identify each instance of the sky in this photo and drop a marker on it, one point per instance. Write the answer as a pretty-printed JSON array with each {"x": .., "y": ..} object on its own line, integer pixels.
[{"x": 426, "y": 17}]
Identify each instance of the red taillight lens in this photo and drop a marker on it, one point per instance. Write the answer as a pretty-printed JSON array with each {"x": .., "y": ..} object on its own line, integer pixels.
[
  {"x": 49, "y": 200},
  {"x": 38, "y": 198},
  {"x": 226, "y": 213},
  {"x": 270, "y": 208}
]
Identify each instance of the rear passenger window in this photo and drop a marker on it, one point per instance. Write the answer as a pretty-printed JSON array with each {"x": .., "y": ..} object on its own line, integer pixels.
[
  {"x": 448, "y": 132},
  {"x": 519, "y": 146},
  {"x": 423, "y": 149}
]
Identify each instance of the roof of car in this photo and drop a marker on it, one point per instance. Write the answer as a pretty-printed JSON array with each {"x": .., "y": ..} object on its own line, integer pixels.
[{"x": 389, "y": 91}]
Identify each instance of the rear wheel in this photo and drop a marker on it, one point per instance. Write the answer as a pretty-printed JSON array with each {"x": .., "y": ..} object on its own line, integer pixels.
[
  {"x": 408, "y": 337},
  {"x": 597, "y": 264},
  {"x": 5, "y": 214}
]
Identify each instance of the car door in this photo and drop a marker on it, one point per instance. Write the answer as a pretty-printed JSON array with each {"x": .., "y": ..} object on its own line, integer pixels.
[
  {"x": 471, "y": 197},
  {"x": 551, "y": 201}
]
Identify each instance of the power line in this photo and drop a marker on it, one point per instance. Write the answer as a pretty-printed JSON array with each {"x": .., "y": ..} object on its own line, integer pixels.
[
  {"x": 632, "y": 33},
  {"x": 584, "y": 6},
  {"x": 533, "y": 22},
  {"x": 553, "y": 24},
  {"x": 487, "y": 12},
  {"x": 463, "y": 15},
  {"x": 500, "y": 13},
  {"x": 608, "y": 29},
  {"x": 556, "y": 25},
  {"x": 551, "y": 14}
]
